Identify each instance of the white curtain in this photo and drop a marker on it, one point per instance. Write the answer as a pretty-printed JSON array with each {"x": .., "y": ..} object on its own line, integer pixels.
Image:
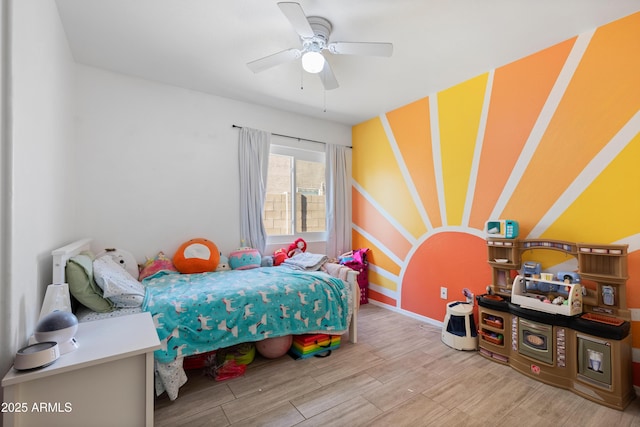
[
  {"x": 338, "y": 175},
  {"x": 254, "y": 161}
]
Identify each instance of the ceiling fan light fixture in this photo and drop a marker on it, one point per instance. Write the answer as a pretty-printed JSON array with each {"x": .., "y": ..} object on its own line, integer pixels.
[{"x": 313, "y": 62}]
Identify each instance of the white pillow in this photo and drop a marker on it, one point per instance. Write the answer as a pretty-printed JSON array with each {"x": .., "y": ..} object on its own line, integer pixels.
[
  {"x": 124, "y": 258},
  {"x": 117, "y": 284}
]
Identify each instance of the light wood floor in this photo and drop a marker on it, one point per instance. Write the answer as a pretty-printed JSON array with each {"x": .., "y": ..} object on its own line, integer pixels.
[{"x": 399, "y": 374}]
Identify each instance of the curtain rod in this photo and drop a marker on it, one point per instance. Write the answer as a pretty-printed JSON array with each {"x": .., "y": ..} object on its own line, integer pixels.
[{"x": 292, "y": 137}]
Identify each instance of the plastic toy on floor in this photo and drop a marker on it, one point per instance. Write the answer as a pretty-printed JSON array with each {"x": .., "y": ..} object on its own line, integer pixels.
[{"x": 459, "y": 327}]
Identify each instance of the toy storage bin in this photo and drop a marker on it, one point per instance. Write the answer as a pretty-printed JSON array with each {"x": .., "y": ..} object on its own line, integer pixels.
[
  {"x": 459, "y": 330},
  {"x": 357, "y": 260}
]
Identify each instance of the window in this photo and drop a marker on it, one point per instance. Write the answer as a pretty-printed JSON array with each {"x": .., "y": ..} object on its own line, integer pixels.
[{"x": 295, "y": 202}]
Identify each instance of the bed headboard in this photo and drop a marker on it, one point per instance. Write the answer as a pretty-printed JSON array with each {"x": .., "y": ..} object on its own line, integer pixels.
[{"x": 62, "y": 255}]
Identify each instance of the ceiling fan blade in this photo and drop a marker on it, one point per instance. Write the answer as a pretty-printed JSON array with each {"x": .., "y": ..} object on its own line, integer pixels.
[
  {"x": 272, "y": 60},
  {"x": 327, "y": 77},
  {"x": 297, "y": 18},
  {"x": 361, "y": 48}
]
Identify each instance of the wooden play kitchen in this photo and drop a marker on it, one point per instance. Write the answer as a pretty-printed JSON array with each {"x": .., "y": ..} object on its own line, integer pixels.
[{"x": 568, "y": 329}]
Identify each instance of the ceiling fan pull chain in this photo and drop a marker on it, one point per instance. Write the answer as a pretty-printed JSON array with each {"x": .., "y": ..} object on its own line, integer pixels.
[{"x": 324, "y": 92}]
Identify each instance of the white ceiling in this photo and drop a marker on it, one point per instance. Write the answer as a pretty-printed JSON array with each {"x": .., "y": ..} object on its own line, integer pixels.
[{"x": 204, "y": 45}]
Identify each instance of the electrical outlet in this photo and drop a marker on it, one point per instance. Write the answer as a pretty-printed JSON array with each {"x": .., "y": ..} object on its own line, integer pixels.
[{"x": 443, "y": 292}]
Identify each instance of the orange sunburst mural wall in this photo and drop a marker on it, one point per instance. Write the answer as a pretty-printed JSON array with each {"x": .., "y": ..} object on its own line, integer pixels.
[{"x": 551, "y": 141}]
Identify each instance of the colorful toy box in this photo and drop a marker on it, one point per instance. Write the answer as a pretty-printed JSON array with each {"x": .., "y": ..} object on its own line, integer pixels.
[{"x": 309, "y": 345}]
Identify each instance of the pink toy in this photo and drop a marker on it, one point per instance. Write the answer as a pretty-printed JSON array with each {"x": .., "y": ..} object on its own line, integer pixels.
[{"x": 272, "y": 348}]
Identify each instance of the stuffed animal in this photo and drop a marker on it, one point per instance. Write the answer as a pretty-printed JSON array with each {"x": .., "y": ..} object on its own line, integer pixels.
[
  {"x": 123, "y": 258},
  {"x": 279, "y": 256},
  {"x": 297, "y": 247},
  {"x": 223, "y": 264},
  {"x": 245, "y": 258},
  {"x": 196, "y": 256}
]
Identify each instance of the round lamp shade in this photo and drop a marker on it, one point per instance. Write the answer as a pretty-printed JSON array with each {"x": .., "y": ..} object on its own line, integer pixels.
[
  {"x": 313, "y": 62},
  {"x": 272, "y": 348},
  {"x": 59, "y": 326}
]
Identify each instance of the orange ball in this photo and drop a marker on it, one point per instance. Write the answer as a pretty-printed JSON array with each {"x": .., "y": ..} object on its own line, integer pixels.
[{"x": 196, "y": 256}]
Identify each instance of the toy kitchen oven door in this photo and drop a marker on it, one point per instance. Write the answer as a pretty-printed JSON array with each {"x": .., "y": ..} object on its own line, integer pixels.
[
  {"x": 535, "y": 340},
  {"x": 594, "y": 360},
  {"x": 543, "y": 349}
]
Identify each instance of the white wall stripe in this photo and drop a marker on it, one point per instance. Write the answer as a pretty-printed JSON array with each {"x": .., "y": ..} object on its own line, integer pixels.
[
  {"x": 405, "y": 171},
  {"x": 437, "y": 155},
  {"x": 475, "y": 165},
  {"x": 404, "y": 232},
  {"x": 597, "y": 164},
  {"x": 379, "y": 244},
  {"x": 632, "y": 241},
  {"x": 540, "y": 127},
  {"x": 385, "y": 273},
  {"x": 384, "y": 291}
]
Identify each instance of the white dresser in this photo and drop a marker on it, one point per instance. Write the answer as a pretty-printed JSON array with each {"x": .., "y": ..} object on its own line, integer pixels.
[{"x": 107, "y": 381}]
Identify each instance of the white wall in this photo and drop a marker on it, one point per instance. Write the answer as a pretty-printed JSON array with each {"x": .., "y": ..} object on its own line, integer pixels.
[
  {"x": 38, "y": 206},
  {"x": 130, "y": 163},
  {"x": 160, "y": 165}
]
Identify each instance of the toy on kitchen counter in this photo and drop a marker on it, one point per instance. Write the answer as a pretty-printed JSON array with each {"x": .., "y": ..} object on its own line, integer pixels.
[
  {"x": 502, "y": 228},
  {"x": 546, "y": 295}
]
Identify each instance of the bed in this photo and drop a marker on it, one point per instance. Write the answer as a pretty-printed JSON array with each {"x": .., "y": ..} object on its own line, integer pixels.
[{"x": 198, "y": 313}]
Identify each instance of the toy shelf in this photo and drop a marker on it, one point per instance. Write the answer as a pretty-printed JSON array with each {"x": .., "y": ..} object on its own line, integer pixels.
[
  {"x": 494, "y": 334},
  {"x": 603, "y": 262},
  {"x": 606, "y": 266},
  {"x": 503, "y": 257},
  {"x": 557, "y": 245},
  {"x": 503, "y": 253}
]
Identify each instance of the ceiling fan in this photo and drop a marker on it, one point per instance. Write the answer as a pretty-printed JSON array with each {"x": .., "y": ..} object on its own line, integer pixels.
[{"x": 314, "y": 32}]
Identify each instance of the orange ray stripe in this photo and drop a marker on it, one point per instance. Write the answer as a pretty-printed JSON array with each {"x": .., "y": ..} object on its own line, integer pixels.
[
  {"x": 602, "y": 96},
  {"x": 375, "y": 256},
  {"x": 412, "y": 131},
  {"x": 367, "y": 217},
  {"x": 372, "y": 152},
  {"x": 519, "y": 92}
]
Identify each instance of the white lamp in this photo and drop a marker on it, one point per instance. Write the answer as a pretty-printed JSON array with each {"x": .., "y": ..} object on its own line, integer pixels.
[
  {"x": 57, "y": 322},
  {"x": 56, "y": 299},
  {"x": 313, "y": 62}
]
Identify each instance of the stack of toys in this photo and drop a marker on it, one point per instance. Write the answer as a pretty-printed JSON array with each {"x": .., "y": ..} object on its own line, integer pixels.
[{"x": 309, "y": 345}]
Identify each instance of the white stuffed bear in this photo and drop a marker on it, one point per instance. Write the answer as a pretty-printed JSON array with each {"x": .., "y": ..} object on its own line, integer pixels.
[
  {"x": 123, "y": 258},
  {"x": 223, "y": 265}
]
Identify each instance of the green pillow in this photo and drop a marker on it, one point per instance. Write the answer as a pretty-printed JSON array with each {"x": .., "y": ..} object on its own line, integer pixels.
[{"x": 79, "y": 274}]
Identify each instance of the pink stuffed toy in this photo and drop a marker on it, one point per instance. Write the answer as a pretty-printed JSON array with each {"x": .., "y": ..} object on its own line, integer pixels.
[{"x": 297, "y": 247}]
